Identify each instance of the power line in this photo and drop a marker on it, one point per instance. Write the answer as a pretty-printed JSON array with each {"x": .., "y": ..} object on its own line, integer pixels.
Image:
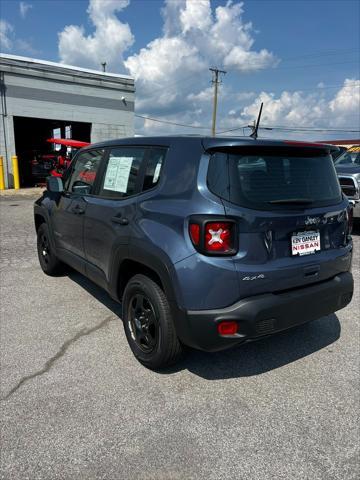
[
  {"x": 170, "y": 123},
  {"x": 312, "y": 129},
  {"x": 316, "y": 65},
  {"x": 233, "y": 129},
  {"x": 190, "y": 77},
  {"x": 323, "y": 53},
  {"x": 172, "y": 84},
  {"x": 299, "y": 129},
  {"x": 294, "y": 129},
  {"x": 302, "y": 133},
  {"x": 257, "y": 63},
  {"x": 313, "y": 89}
]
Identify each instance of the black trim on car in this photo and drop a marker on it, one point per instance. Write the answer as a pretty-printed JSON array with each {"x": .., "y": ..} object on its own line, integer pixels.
[{"x": 270, "y": 313}]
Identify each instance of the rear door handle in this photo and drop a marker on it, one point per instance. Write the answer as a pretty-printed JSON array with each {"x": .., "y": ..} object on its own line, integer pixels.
[{"x": 120, "y": 220}]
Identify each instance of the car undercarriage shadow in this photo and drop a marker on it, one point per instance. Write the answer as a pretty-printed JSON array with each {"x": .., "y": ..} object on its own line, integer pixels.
[
  {"x": 245, "y": 360},
  {"x": 100, "y": 294},
  {"x": 263, "y": 355}
]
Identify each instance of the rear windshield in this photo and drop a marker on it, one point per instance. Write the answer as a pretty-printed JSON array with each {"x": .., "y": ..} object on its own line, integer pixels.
[{"x": 274, "y": 179}]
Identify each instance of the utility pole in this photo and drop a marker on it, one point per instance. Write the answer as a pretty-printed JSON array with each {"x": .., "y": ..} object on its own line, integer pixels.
[{"x": 215, "y": 81}]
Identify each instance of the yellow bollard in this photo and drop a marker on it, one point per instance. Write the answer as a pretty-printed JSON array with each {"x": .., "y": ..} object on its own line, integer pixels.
[
  {"x": 15, "y": 166},
  {"x": 2, "y": 178}
]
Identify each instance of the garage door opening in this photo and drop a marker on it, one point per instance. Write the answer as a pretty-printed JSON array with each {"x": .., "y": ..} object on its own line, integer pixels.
[{"x": 35, "y": 155}]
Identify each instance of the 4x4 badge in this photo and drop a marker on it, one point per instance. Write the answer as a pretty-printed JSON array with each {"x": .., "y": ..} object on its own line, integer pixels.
[{"x": 255, "y": 277}]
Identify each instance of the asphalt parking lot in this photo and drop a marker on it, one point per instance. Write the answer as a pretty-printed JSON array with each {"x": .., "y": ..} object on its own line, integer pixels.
[{"x": 75, "y": 404}]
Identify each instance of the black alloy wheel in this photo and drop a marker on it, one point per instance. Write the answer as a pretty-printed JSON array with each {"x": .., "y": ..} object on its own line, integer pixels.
[
  {"x": 148, "y": 323},
  {"x": 45, "y": 248},
  {"x": 143, "y": 324},
  {"x": 49, "y": 263}
]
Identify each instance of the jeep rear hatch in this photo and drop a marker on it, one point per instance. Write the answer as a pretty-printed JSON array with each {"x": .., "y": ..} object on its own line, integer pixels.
[{"x": 292, "y": 219}]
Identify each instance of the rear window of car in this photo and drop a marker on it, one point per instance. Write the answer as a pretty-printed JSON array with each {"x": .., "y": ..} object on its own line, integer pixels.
[{"x": 274, "y": 179}]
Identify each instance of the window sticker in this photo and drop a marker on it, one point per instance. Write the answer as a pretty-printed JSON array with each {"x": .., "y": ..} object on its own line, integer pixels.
[
  {"x": 118, "y": 173},
  {"x": 157, "y": 172}
]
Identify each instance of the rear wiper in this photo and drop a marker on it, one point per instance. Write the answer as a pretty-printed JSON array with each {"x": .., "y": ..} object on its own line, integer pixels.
[{"x": 298, "y": 201}]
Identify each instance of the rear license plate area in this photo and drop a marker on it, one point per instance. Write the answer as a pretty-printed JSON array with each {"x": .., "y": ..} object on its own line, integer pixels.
[{"x": 305, "y": 243}]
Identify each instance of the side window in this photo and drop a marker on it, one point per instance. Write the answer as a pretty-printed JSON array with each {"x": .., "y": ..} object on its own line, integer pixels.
[
  {"x": 122, "y": 171},
  {"x": 218, "y": 175},
  {"x": 153, "y": 167},
  {"x": 83, "y": 175}
]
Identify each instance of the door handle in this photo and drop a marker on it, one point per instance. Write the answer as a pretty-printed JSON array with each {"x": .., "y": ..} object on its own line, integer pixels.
[{"x": 120, "y": 221}]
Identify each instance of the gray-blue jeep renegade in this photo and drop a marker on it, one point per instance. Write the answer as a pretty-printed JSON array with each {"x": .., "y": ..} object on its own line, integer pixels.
[{"x": 206, "y": 242}]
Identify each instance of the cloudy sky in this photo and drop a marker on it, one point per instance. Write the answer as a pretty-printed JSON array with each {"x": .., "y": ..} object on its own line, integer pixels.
[{"x": 301, "y": 58}]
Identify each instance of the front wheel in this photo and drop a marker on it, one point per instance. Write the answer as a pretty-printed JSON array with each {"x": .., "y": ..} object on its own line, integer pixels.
[
  {"x": 48, "y": 261},
  {"x": 148, "y": 324}
]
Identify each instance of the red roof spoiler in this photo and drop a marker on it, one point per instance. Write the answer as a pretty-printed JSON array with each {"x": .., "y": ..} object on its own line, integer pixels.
[{"x": 68, "y": 142}]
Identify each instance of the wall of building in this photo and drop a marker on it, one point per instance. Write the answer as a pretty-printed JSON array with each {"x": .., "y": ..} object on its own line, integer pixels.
[{"x": 36, "y": 89}]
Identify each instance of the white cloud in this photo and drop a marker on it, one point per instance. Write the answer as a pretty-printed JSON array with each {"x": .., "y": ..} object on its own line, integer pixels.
[
  {"x": 172, "y": 77},
  {"x": 9, "y": 42},
  {"x": 296, "y": 109},
  {"x": 196, "y": 16},
  {"x": 248, "y": 61},
  {"x": 171, "y": 71},
  {"x": 110, "y": 39},
  {"x": 245, "y": 96},
  {"x": 206, "y": 96},
  {"x": 6, "y": 32},
  {"x": 24, "y": 7},
  {"x": 203, "y": 96},
  {"x": 347, "y": 100}
]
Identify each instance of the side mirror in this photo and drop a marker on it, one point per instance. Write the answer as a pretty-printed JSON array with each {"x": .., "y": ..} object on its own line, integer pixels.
[
  {"x": 81, "y": 188},
  {"x": 54, "y": 184}
]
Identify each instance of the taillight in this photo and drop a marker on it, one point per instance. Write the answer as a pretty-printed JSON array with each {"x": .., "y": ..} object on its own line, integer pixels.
[
  {"x": 194, "y": 230},
  {"x": 213, "y": 236},
  {"x": 218, "y": 237}
]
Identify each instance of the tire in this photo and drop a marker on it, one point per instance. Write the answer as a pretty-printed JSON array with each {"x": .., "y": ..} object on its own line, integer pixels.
[
  {"x": 49, "y": 263},
  {"x": 148, "y": 324}
]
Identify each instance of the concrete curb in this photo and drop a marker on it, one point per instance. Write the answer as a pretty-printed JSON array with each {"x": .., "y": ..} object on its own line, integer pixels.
[{"x": 22, "y": 192}]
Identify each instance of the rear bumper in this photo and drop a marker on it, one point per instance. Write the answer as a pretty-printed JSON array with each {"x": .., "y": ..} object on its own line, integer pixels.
[{"x": 269, "y": 313}]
